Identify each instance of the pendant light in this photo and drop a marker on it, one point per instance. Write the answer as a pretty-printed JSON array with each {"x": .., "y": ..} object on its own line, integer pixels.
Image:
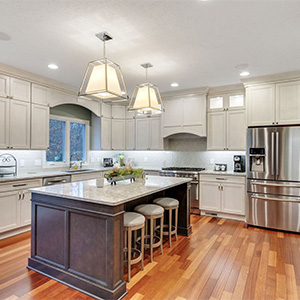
[
  {"x": 103, "y": 79},
  {"x": 146, "y": 97}
]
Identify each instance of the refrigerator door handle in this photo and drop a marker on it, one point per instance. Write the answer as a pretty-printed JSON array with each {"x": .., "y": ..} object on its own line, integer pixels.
[
  {"x": 277, "y": 153},
  {"x": 272, "y": 152}
]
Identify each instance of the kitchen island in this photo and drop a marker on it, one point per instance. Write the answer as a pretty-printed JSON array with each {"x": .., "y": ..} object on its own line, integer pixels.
[{"x": 77, "y": 230}]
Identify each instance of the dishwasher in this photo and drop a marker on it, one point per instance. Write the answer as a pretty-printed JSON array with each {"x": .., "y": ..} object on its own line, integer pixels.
[{"x": 56, "y": 180}]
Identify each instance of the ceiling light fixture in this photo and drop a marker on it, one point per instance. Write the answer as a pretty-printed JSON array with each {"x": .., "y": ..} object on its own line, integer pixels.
[
  {"x": 245, "y": 73},
  {"x": 53, "y": 66},
  {"x": 174, "y": 84},
  {"x": 146, "y": 97},
  {"x": 103, "y": 79}
]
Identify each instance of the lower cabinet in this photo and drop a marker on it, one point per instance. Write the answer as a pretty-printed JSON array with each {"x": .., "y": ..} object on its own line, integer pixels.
[
  {"x": 15, "y": 204},
  {"x": 224, "y": 194}
]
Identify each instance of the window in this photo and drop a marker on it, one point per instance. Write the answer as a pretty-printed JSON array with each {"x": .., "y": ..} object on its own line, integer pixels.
[{"x": 68, "y": 140}]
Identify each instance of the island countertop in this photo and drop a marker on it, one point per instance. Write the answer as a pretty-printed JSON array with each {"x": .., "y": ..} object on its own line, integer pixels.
[{"x": 110, "y": 195}]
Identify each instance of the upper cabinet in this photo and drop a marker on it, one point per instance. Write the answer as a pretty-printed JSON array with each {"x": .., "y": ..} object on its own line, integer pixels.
[
  {"x": 14, "y": 88},
  {"x": 40, "y": 94},
  {"x": 185, "y": 112},
  {"x": 273, "y": 99},
  {"x": 226, "y": 118},
  {"x": 118, "y": 112}
]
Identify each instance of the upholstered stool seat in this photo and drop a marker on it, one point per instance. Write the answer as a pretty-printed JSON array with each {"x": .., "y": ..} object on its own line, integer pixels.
[
  {"x": 133, "y": 222},
  {"x": 169, "y": 204},
  {"x": 152, "y": 213}
]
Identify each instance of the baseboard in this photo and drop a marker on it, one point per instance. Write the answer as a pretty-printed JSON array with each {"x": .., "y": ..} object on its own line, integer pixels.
[{"x": 13, "y": 232}]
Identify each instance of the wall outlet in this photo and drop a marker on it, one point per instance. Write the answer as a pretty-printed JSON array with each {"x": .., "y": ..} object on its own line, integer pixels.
[
  {"x": 92, "y": 159},
  {"x": 37, "y": 162},
  {"x": 22, "y": 163},
  {"x": 211, "y": 161}
]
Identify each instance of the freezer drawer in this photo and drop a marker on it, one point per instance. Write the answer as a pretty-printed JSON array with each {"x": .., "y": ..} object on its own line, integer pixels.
[
  {"x": 274, "y": 187},
  {"x": 273, "y": 211}
]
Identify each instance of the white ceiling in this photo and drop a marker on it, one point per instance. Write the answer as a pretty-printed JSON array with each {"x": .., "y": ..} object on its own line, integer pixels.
[{"x": 195, "y": 43}]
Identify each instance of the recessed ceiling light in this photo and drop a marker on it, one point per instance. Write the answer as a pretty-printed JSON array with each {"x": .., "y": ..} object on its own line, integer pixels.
[
  {"x": 53, "y": 66},
  {"x": 174, "y": 84},
  {"x": 245, "y": 73}
]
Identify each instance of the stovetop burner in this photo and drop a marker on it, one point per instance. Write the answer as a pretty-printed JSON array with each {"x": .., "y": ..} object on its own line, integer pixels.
[{"x": 186, "y": 169}]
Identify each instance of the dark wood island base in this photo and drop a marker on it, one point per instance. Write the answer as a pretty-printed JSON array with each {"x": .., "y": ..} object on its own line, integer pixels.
[{"x": 80, "y": 243}]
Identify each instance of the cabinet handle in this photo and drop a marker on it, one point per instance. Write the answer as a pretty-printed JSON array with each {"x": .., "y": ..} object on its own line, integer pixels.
[
  {"x": 222, "y": 188},
  {"x": 276, "y": 122},
  {"x": 21, "y": 184},
  {"x": 12, "y": 97},
  {"x": 273, "y": 122},
  {"x": 224, "y": 148},
  {"x": 7, "y": 96},
  {"x": 19, "y": 196},
  {"x": 23, "y": 195},
  {"x": 7, "y": 147},
  {"x": 219, "y": 178}
]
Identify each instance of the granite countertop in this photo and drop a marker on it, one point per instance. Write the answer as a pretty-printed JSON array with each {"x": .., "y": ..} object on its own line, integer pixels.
[{"x": 110, "y": 195}]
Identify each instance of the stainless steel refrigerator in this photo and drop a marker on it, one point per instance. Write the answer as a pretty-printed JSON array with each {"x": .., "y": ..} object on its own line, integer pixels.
[{"x": 273, "y": 177}]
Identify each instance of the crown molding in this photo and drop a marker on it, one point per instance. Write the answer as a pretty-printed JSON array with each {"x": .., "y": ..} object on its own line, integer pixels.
[
  {"x": 185, "y": 93},
  {"x": 226, "y": 89},
  {"x": 273, "y": 78},
  {"x": 37, "y": 79}
]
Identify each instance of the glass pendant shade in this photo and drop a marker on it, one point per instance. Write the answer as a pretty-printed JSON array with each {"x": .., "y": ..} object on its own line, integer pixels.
[
  {"x": 103, "y": 80},
  {"x": 146, "y": 99}
]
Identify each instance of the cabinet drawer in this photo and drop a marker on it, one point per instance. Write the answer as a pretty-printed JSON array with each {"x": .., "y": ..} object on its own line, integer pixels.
[
  {"x": 223, "y": 178},
  {"x": 86, "y": 176},
  {"x": 20, "y": 185}
]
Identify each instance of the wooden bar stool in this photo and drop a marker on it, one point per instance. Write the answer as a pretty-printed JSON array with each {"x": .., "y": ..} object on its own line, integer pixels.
[
  {"x": 152, "y": 212},
  {"x": 133, "y": 222},
  {"x": 169, "y": 204}
]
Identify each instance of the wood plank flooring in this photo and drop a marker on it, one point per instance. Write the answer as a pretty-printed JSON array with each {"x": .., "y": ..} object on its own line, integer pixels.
[{"x": 222, "y": 259}]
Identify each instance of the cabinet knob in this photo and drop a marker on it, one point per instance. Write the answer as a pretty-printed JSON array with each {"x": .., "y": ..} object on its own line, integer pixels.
[
  {"x": 273, "y": 122},
  {"x": 224, "y": 148},
  {"x": 7, "y": 147},
  {"x": 276, "y": 122},
  {"x": 7, "y": 96}
]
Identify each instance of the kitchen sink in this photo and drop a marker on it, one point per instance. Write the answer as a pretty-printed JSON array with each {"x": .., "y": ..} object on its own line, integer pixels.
[{"x": 79, "y": 170}]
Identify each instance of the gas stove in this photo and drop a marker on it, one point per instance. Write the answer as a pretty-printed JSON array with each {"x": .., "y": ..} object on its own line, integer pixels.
[{"x": 189, "y": 172}]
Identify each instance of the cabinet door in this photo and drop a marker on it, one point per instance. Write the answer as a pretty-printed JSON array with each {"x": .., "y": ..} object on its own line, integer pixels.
[
  {"x": 210, "y": 198},
  {"x": 142, "y": 134},
  {"x": 105, "y": 110},
  {"x": 155, "y": 134},
  {"x": 19, "y": 124},
  {"x": 288, "y": 103},
  {"x": 4, "y": 86},
  {"x": 9, "y": 211},
  {"x": 40, "y": 94},
  {"x": 4, "y": 123},
  {"x": 105, "y": 134},
  {"x": 236, "y": 130},
  {"x": 118, "y": 134},
  {"x": 192, "y": 109},
  {"x": 173, "y": 113},
  {"x": 25, "y": 209},
  {"x": 118, "y": 112},
  {"x": 261, "y": 105},
  {"x": 129, "y": 114},
  {"x": 39, "y": 127},
  {"x": 130, "y": 134},
  {"x": 233, "y": 198},
  {"x": 216, "y": 103},
  {"x": 20, "y": 89},
  {"x": 216, "y": 139}
]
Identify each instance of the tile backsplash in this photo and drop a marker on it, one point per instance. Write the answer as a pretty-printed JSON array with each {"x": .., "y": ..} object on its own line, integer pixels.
[{"x": 32, "y": 160}]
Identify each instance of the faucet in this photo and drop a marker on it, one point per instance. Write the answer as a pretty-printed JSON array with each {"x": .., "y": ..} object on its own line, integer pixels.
[{"x": 71, "y": 163}]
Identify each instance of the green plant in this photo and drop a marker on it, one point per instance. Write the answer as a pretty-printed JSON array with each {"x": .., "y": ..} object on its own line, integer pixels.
[{"x": 121, "y": 172}]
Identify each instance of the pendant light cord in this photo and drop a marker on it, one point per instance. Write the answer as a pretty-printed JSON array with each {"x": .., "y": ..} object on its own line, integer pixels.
[
  {"x": 147, "y": 75},
  {"x": 104, "y": 49}
]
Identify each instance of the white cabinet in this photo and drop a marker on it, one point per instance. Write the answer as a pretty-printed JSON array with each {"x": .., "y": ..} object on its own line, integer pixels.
[
  {"x": 148, "y": 134},
  {"x": 15, "y": 204},
  {"x": 9, "y": 211},
  {"x": 118, "y": 134},
  {"x": 142, "y": 134},
  {"x": 155, "y": 134},
  {"x": 216, "y": 135},
  {"x": 20, "y": 89},
  {"x": 105, "y": 134},
  {"x": 105, "y": 110},
  {"x": 39, "y": 127},
  {"x": 118, "y": 112},
  {"x": 130, "y": 134},
  {"x": 185, "y": 115},
  {"x": 236, "y": 130},
  {"x": 225, "y": 194},
  {"x": 19, "y": 124},
  {"x": 261, "y": 105},
  {"x": 288, "y": 103},
  {"x": 4, "y": 122},
  {"x": 4, "y": 86},
  {"x": 40, "y": 94}
]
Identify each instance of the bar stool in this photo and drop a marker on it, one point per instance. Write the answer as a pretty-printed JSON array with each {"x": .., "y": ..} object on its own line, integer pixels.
[
  {"x": 169, "y": 204},
  {"x": 152, "y": 212},
  {"x": 132, "y": 223}
]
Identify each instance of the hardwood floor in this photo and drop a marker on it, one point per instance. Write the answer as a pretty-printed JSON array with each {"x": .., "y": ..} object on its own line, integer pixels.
[{"x": 222, "y": 259}]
